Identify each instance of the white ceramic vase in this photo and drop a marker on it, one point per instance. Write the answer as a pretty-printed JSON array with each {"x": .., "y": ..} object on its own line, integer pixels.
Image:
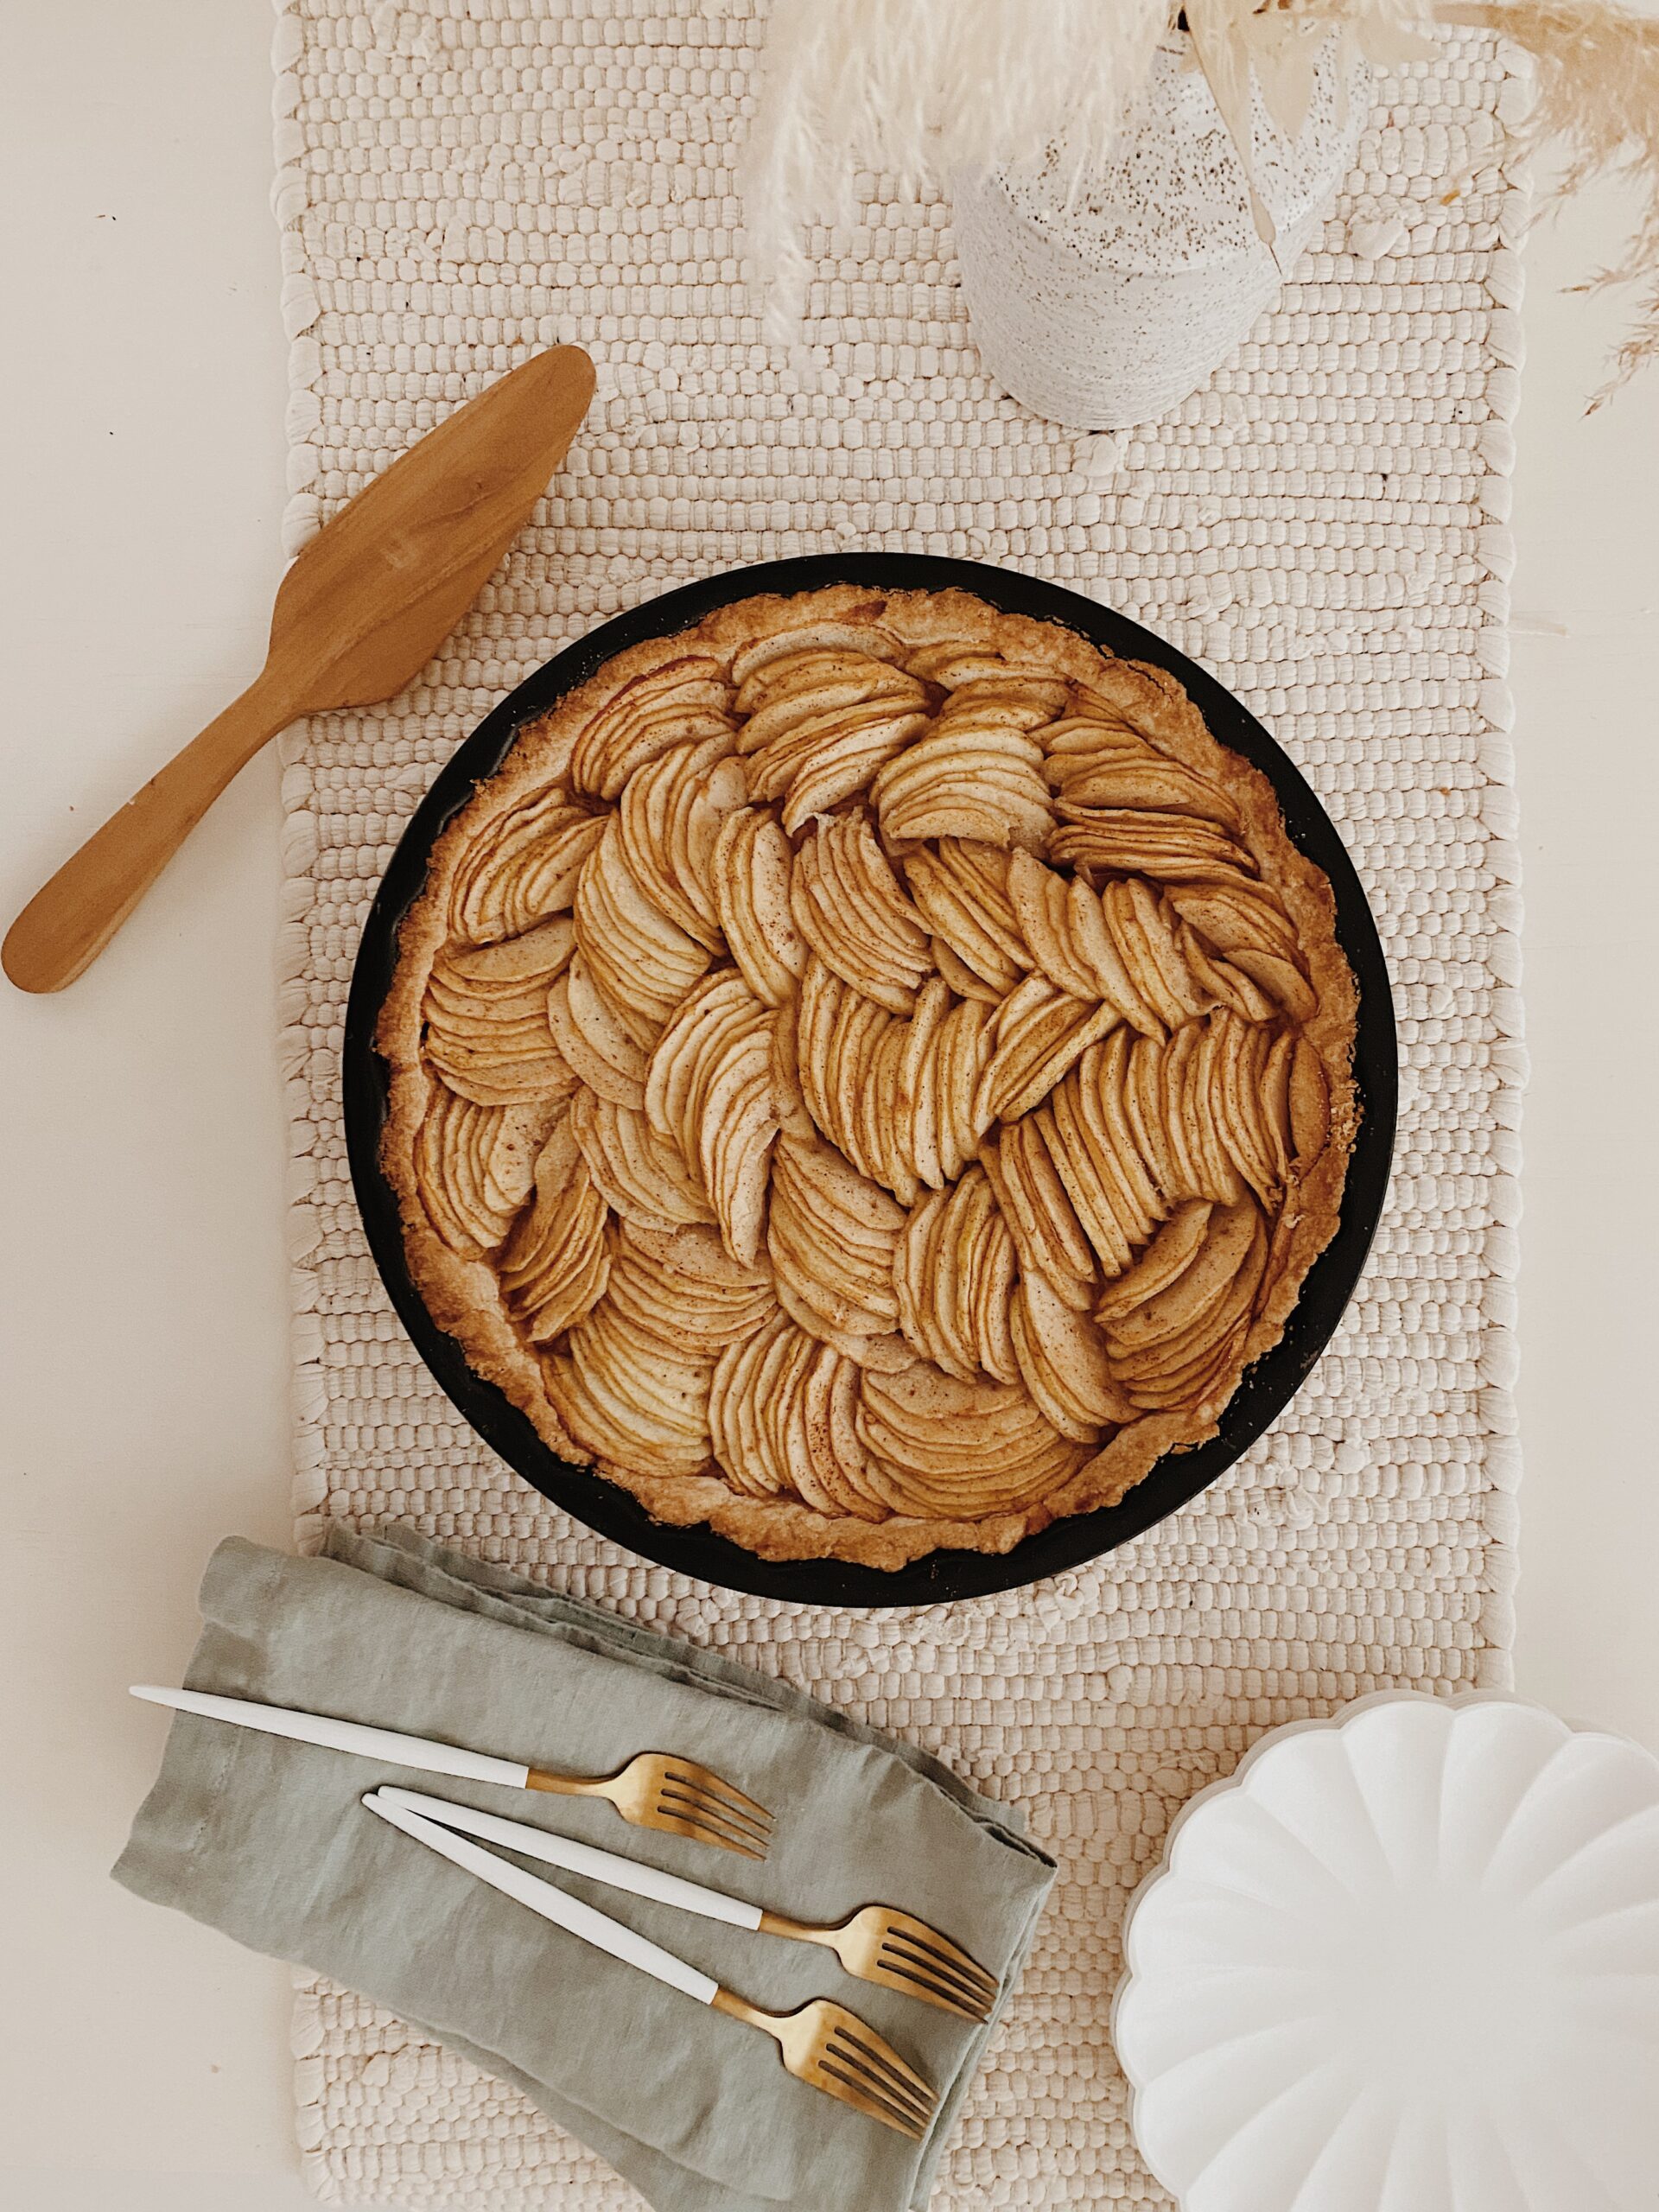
[{"x": 1107, "y": 306}]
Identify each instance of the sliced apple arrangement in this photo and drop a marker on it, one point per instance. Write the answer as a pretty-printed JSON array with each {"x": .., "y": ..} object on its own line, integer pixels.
[{"x": 877, "y": 1072}]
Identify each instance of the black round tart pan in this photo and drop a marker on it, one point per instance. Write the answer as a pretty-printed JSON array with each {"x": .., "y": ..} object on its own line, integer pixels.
[{"x": 1266, "y": 1387}]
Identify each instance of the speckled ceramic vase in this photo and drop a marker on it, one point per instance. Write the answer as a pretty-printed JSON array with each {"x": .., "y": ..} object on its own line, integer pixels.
[{"x": 1110, "y": 308}]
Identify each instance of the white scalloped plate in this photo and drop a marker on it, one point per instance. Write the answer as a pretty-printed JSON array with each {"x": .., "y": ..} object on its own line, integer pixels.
[{"x": 1405, "y": 1960}]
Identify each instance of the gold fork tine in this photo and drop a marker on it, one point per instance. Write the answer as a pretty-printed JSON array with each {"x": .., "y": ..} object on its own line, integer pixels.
[
  {"x": 898, "y": 2081},
  {"x": 717, "y": 1786},
  {"x": 901, "y": 1956},
  {"x": 682, "y": 1797},
  {"x": 709, "y": 1824},
  {"x": 678, "y": 1824},
  {"x": 845, "y": 2065},
  {"x": 950, "y": 1955},
  {"x": 716, "y": 1807},
  {"x": 919, "y": 1966},
  {"x": 913, "y": 1981},
  {"x": 842, "y": 2064},
  {"x": 693, "y": 1823},
  {"x": 834, "y": 2083}
]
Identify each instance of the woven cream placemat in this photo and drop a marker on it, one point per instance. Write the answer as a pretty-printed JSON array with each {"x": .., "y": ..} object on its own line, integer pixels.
[{"x": 1325, "y": 525}]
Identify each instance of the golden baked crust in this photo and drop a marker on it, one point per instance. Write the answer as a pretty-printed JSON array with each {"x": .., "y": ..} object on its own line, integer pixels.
[{"x": 878, "y": 1105}]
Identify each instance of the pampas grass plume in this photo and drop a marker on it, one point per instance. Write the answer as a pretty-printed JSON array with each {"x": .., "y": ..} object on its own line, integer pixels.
[{"x": 915, "y": 89}]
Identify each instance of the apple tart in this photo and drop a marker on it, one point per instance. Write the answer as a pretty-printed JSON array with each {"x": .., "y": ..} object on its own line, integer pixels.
[{"x": 868, "y": 1073}]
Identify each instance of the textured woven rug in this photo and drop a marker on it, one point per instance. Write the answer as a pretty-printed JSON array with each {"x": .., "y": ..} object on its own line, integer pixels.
[{"x": 1324, "y": 524}]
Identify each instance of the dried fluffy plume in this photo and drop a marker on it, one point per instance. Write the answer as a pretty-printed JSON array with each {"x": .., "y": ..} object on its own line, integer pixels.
[
  {"x": 1278, "y": 43},
  {"x": 1598, "y": 104},
  {"x": 916, "y": 88}
]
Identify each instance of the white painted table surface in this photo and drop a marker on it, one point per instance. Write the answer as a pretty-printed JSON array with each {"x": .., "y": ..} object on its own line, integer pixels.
[{"x": 143, "y": 1331}]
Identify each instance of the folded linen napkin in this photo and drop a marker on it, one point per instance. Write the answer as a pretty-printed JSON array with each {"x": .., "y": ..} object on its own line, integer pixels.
[{"x": 269, "y": 1840}]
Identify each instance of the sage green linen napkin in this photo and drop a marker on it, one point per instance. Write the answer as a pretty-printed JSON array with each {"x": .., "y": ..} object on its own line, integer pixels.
[{"x": 269, "y": 1841}]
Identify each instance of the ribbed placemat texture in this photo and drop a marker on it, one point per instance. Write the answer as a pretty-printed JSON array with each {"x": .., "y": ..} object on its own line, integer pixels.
[{"x": 1325, "y": 526}]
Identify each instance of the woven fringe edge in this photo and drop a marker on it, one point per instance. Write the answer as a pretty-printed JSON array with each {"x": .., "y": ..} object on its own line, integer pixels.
[
  {"x": 302, "y": 518},
  {"x": 1500, "y": 807}
]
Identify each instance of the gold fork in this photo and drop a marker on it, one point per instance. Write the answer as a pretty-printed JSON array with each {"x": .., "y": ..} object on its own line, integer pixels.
[
  {"x": 831, "y": 2048},
  {"x": 898, "y": 1951},
  {"x": 653, "y": 1791},
  {"x": 822, "y": 2044},
  {"x": 656, "y": 1791}
]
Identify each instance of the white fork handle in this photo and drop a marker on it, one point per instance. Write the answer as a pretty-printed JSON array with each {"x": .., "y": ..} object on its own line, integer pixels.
[
  {"x": 564, "y": 1911},
  {"x": 609, "y": 1867},
  {"x": 389, "y": 1745}
]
